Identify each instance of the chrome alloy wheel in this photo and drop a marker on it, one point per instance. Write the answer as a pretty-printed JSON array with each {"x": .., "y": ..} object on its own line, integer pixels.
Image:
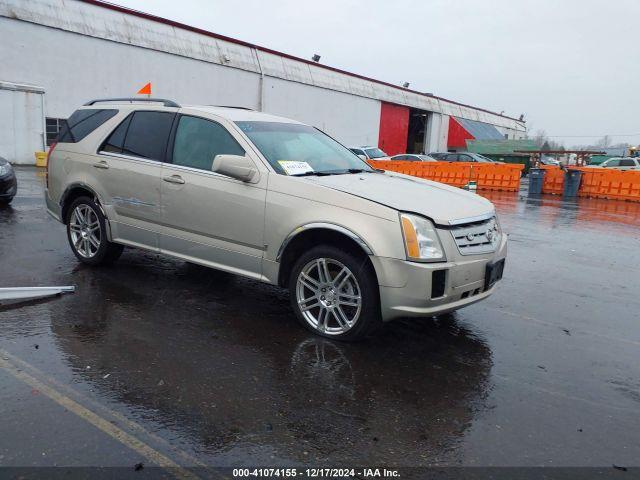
[
  {"x": 328, "y": 296},
  {"x": 85, "y": 231}
]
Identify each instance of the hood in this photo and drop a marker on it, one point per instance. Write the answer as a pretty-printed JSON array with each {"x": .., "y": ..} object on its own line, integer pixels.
[{"x": 437, "y": 201}]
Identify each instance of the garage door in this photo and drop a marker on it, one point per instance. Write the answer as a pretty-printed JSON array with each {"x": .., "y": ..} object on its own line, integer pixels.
[
  {"x": 394, "y": 125},
  {"x": 22, "y": 120}
]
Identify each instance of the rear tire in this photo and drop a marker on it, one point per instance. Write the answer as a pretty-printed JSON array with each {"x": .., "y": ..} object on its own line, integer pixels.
[
  {"x": 5, "y": 201},
  {"x": 335, "y": 293},
  {"x": 87, "y": 233}
]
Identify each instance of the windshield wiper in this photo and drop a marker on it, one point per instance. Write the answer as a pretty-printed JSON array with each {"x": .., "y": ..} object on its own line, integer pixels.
[
  {"x": 309, "y": 174},
  {"x": 332, "y": 172}
]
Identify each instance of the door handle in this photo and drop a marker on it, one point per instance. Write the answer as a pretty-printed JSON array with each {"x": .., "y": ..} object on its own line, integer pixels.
[
  {"x": 101, "y": 164},
  {"x": 174, "y": 179}
]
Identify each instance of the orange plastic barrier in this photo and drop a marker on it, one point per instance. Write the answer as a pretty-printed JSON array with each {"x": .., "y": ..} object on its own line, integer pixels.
[
  {"x": 596, "y": 183},
  {"x": 497, "y": 176},
  {"x": 553, "y": 179},
  {"x": 609, "y": 183},
  {"x": 490, "y": 176}
]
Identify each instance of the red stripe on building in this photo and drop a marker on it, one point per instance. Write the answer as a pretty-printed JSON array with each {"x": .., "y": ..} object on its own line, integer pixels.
[{"x": 457, "y": 135}]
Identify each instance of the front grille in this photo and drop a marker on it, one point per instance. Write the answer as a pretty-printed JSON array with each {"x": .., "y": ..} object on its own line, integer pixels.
[{"x": 478, "y": 237}]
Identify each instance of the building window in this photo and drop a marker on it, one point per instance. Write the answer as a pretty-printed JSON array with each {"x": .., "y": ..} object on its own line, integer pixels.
[{"x": 54, "y": 125}]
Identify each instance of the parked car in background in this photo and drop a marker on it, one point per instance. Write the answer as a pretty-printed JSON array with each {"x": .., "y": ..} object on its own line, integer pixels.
[
  {"x": 547, "y": 160},
  {"x": 621, "y": 163},
  {"x": 274, "y": 200},
  {"x": 413, "y": 157},
  {"x": 8, "y": 182},
  {"x": 369, "y": 153},
  {"x": 461, "y": 157}
]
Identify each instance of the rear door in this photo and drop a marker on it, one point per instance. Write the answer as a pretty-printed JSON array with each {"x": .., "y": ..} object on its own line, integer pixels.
[
  {"x": 207, "y": 217},
  {"x": 128, "y": 167}
]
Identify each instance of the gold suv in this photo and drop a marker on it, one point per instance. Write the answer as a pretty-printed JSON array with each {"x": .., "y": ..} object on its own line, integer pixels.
[{"x": 275, "y": 200}]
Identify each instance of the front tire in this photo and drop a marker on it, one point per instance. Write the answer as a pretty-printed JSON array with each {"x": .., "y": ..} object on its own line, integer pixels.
[
  {"x": 335, "y": 294},
  {"x": 87, "y": 233}
]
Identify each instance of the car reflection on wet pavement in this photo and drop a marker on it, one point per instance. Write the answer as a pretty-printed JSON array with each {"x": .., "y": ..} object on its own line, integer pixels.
[{"x": 210, "y": 369}]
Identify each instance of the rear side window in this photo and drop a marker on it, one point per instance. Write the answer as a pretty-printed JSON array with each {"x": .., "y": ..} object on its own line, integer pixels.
[
  {"x": 141, "y": 134},
  {"x": 627, "y": 163},
  {"x": 148, "y": 134},
  {"x": 198, "y": 141},
  {"x": 83, "y": 122}
]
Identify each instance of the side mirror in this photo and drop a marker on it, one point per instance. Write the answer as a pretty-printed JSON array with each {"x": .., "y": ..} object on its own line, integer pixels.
[
  {"x": 236, "y": 166},
  {"x": 363, "y": 157}
]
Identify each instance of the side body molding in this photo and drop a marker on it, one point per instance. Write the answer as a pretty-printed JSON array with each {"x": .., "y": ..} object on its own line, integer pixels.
[{"x": 326, "y": 226}]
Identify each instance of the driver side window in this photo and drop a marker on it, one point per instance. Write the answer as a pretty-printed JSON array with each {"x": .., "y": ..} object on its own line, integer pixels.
[{"x": 198, "y": 141}]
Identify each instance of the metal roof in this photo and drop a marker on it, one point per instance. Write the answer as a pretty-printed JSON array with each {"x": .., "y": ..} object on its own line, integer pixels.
[{"x": 480, "y": 130}]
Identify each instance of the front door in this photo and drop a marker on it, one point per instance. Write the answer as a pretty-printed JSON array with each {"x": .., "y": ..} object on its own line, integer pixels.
[{"x": 209, "y": 218}]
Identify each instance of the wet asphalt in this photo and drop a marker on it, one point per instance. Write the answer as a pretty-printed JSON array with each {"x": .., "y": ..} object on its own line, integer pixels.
[{"x": 181, "y": 363}]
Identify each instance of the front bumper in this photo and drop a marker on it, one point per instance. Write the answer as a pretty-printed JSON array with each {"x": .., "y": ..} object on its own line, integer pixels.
[
  {"x": 410, "y": 289},
  {"x": 8, "y": 186}
]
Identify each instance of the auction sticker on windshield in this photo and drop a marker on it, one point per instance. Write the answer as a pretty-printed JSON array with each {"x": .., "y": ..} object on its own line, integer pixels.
[{"x": 295, "y": 168}]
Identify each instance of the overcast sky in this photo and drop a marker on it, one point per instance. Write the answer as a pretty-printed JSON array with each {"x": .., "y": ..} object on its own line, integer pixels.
[{"x": 572, "y": 67}]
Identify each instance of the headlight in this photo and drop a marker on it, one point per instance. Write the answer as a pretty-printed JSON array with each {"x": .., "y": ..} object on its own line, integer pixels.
[
  {"x": 5, "y": 169},
  {"x": 420, "y": 238}
]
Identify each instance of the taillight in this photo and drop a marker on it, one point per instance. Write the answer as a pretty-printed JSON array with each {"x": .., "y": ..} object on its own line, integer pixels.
[{"x": 53, "y": 145}]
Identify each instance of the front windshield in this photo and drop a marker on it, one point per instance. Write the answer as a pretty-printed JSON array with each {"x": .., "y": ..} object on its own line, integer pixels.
[
  {"x": 375, "y": 153},
  {"x": 482, "y": 158},
  {"x": 293, "y": 149}
]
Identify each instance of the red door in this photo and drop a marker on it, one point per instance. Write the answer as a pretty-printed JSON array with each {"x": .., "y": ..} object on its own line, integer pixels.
[{"x": 394, "y": 128}]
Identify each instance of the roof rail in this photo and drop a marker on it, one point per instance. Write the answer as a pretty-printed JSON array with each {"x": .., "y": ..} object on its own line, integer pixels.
[
  {"x": 232, "y": 106},
  {"x": 167, "y": 103}
]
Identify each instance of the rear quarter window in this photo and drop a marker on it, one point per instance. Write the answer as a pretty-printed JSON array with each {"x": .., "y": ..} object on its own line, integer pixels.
[{"x": 83, "y": 122}]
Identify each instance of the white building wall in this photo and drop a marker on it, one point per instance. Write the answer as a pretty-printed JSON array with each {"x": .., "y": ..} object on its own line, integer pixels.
[
  {"x": 126, "y": 28},
  {"x": 349, "y": 119},
  {"x": 78, "y": 51},
  {"x": 437, "y": 133},
  {"x": 74, "y": 68}
]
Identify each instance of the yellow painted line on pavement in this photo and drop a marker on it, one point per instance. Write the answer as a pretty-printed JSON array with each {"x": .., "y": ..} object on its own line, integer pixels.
[
  {"x": 189, "y": 459},
  {"x": 100, "y": 423}
]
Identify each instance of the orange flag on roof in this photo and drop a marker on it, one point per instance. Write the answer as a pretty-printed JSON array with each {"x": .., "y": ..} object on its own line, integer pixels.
[{"x": 146, "y": 90}]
